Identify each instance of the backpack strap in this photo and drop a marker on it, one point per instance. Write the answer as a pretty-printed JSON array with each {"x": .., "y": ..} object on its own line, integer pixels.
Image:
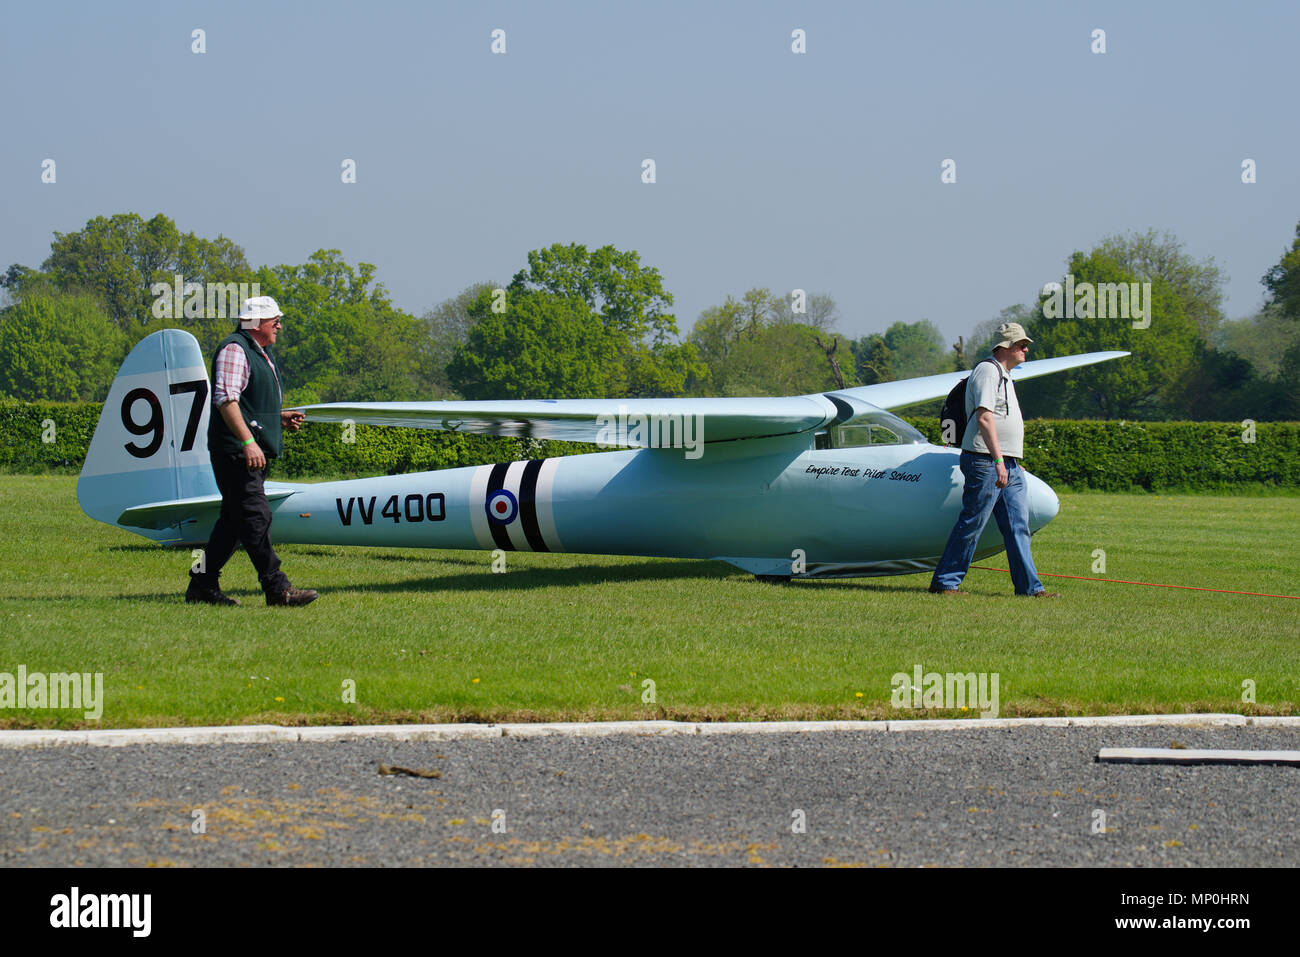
[{"x": 972, "y": 372}]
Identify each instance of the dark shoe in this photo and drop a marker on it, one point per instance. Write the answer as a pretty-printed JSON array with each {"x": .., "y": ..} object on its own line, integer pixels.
[
  {"x": 291, "y": 597},
  {"x": 1045, "y": 594},
  {"x": 949, "y": 592},
  {"x": 208, "y": 596}
]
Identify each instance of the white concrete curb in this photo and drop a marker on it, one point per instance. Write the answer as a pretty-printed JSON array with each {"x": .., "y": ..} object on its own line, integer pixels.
[{"x": 273, "y": 734}]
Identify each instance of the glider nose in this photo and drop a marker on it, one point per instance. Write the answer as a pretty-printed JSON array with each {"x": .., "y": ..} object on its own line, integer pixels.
[{"x": 1043, "y": 503}]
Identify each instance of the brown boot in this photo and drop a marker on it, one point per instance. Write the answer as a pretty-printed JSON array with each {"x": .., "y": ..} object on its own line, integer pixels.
[{"x": 291, "y": 597}]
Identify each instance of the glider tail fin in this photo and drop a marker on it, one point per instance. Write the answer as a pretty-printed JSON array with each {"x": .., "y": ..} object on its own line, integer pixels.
[{"x": 151, "y": 443}]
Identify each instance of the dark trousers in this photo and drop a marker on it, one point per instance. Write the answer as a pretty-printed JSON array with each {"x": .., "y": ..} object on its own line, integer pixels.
[{"x": 245, "y": 519}]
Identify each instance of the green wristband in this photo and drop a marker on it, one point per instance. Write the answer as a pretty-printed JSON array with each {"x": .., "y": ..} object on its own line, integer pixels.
[
  {"x": 997, "y": 461},
  {"x": 249, "y": 441}
]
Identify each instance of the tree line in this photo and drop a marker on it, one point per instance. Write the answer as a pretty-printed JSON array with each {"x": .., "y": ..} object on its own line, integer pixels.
[{"x": 598, "y": 323}]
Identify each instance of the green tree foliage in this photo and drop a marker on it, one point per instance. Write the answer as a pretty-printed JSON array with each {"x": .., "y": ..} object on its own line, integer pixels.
[
  {"x": 1150, "y": 257},
  {"x": 1289, "y": 378},
  {"x": 735, "y": 340},
  {"x": 446, "y": 327},
  {"x": 118, "y": 258},
  {"x": 58, "y": 346},
  {"x": 719, "y": 328},
  {"x": 543, "y": 346},
  {"x": 628, "y": 298},
  {"x": 1262, "y": 339},
  {"x": 630, "y": 302},
  {"x": 1283, "y": 280},
  {"x": 714, "y": 333},
  {"x": 1147, "y": 384},
  {"x": 209, "y": 331},
  {"x": 1223, "y": 386},
  {"x": 13, "y": 281},
  {"x": 918, "y": 349},
  {"x": 873, "y": 360},
  {"x": 819, "y": 311},
  {"x": 342, "y": 338},
  {"x": 781, "y": 359}
]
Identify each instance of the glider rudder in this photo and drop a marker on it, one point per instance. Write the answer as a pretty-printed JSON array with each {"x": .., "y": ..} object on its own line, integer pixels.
[{"x": 150, "y": 445}]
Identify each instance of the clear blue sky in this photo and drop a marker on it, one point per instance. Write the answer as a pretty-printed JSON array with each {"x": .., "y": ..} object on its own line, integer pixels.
[{"x": 818, "y": 171}]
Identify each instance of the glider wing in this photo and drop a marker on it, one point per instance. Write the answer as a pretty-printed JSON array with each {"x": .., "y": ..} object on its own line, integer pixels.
[
  {"x": 639, "y": 422},
  {"x": 893, "y": 395},
  {"x": 623, "y": 422}
]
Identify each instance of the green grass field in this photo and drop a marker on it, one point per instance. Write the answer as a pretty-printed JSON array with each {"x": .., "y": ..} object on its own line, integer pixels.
[{"x": 435, "y": 636}]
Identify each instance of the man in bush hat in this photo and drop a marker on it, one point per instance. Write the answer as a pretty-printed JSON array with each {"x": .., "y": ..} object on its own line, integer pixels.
[
  {"x": 244, "y": 429},
  {"x": 995, "y": 480}
]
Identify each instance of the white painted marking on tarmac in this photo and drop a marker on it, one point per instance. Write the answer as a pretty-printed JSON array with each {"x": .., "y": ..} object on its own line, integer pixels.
[{"x": 1195, "y": 756}]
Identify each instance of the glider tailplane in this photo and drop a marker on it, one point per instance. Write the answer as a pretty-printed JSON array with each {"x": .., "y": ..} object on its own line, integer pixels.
[{"x": 151, "y": 444}]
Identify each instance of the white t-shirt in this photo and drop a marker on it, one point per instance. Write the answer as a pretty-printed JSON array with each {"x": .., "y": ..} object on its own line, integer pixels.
[{"x": 990, "y": 387}]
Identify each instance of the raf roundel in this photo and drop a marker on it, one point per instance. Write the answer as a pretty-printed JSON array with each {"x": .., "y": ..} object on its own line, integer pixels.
[{"x": 502, "y": 507}]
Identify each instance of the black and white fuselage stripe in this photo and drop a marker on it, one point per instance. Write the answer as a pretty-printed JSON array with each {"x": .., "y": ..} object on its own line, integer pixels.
[{"x": 511, "y": 506}]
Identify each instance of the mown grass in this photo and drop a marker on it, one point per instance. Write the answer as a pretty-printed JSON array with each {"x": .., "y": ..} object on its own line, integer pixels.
[{"x": 435, "y": 636}]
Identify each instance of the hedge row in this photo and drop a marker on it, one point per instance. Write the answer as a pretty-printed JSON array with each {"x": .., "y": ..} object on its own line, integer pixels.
[
  {"x": 1110, "y": 456},
  {"x": 1157, "y": 456}
]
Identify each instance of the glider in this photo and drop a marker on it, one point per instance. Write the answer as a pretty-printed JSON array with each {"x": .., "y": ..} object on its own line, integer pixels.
[{"x": 827, "y": 485}]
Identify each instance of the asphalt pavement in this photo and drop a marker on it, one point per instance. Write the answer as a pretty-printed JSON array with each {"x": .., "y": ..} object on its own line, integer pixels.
[{"x": 997, "y": 797}]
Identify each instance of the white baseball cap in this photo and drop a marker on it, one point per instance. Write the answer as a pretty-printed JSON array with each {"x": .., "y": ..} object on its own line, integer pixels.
[{"x": 255, "y": 310}]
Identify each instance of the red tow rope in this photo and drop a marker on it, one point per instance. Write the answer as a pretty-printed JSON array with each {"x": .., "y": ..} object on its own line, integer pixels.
[{"x": 1121, "y": 581}]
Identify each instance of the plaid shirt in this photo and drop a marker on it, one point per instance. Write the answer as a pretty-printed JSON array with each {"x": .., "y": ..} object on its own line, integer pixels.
[{"x": 232, "y": 373}]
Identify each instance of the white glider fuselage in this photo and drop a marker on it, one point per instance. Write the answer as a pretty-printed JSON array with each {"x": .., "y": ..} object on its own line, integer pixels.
[
  {"x": 759, "y": 504},
  {"x": 822, "y": 485}
]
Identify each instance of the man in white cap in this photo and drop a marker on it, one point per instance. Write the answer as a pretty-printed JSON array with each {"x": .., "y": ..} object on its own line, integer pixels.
[
  {"x": 244, "y": 430},
  {"x": 995, "y": 480}
]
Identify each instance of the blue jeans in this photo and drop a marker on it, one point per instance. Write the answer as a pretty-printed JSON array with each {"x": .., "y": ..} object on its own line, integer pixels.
[{"x": 1010, "y": 506}]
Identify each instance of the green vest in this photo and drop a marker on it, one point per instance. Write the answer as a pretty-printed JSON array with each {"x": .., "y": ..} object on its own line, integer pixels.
[{"x": 259, "y": 402}]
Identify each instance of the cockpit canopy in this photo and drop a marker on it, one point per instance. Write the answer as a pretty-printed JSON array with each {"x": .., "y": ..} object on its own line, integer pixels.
[{"x": 875, "y": 427}]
